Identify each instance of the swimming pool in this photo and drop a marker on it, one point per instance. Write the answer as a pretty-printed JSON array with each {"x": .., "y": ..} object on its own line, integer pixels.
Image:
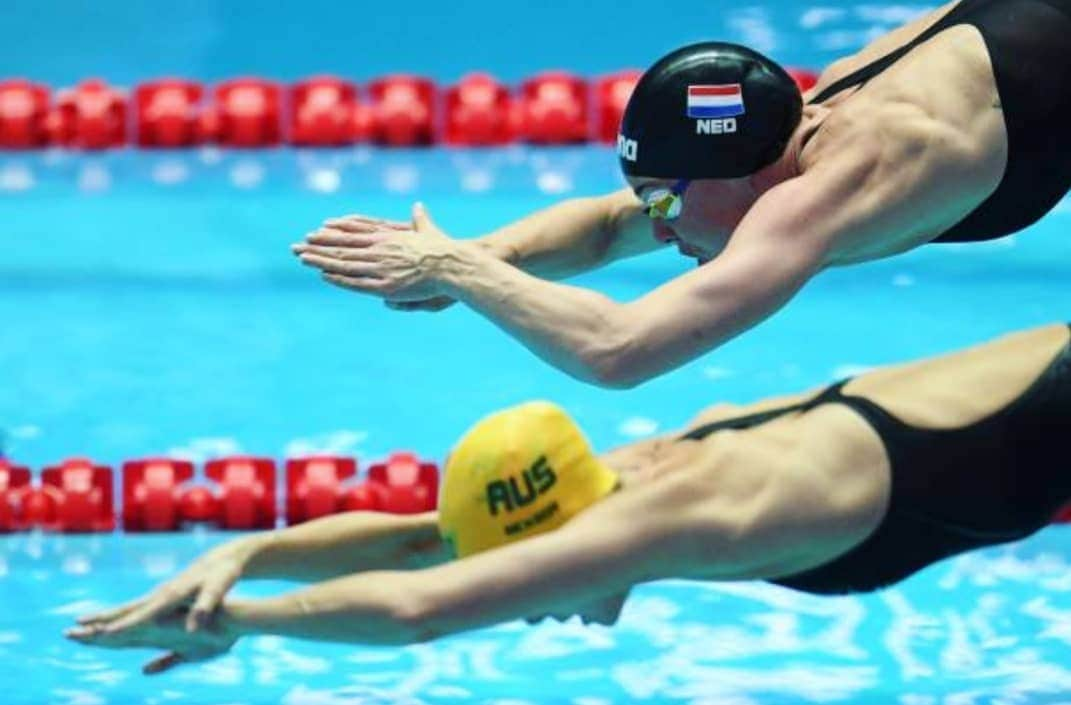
[{"x": 151, "y": 305}]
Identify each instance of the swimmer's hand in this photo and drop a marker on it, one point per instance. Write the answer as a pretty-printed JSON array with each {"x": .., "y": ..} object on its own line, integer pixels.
[
  {"x": 163, "y": 631},
  {"x": 378, "y": 258},
  {"x": 198, "y": 591}
]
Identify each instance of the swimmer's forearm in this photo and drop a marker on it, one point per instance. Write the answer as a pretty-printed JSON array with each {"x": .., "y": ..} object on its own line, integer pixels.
[
  {"x": 557, "y": 242},
  {"x": 346, "y": 543},
  {"x": 370, "y": 608},
  {"x": 576, "y": 330},
  {"x": 572, "y": 237}
]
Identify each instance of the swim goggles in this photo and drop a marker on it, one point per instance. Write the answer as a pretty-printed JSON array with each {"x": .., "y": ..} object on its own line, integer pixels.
[{"x": 666, "y": 203}]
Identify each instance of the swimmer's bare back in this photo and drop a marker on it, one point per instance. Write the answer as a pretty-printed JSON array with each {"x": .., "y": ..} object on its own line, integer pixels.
[
  {"x": 824, "y": 467},
  {"x": 934, "y": 114}
]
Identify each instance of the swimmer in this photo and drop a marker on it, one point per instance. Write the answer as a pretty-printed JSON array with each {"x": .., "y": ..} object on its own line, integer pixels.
[
  {"x": 847, "y": 489},
  {"x": 952, "y": 128}
]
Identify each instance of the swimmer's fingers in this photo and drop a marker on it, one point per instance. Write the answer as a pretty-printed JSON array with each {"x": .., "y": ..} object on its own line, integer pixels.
[
  {"x": 364, "y": 285},
  {"x": 331, "y": 237},
  {"x": 162, "y": 663},
  {"x": 92, "y": 634},
  {"x": 115, "y": 613},
  {"x": 100, "y": 636},
  {"x": 164, "y": 599},
  {"x": 109, "y": 615},
  {"x": 365, "y": 224},
  {"x": 348, "y": 253},
  {"x": 209, "y": 599},
  {"x": 344, "y": 267}
]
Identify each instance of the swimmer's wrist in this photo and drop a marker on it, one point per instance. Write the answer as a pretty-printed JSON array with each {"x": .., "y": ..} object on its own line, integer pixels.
[
  {"x": 238, "y": 617},
  {"x": 496, "y": 249},
  {"x": 465, "y": 259},
  {"x": 256, "y": 553}
]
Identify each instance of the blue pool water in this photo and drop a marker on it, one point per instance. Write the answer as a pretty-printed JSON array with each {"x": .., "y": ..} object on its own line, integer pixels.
[{"x": 149, "y": 304}]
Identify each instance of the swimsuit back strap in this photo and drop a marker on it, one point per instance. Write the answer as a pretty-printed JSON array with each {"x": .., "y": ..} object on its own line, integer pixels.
[
  {"x": 864, "y": 74},
  {"x": 827, "y": 395}
]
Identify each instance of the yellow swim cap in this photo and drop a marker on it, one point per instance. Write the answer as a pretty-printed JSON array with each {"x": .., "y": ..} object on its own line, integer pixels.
[{"x": 517, "y": 473}]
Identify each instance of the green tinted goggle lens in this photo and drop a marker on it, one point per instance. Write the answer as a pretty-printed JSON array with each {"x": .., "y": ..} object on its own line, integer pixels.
[{"x": 666, "y": 203}]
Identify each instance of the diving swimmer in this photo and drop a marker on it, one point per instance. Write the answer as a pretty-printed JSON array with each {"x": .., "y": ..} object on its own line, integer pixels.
[
  {"x": 952, "y": 128},
  {"x": 846, "y": 489}
]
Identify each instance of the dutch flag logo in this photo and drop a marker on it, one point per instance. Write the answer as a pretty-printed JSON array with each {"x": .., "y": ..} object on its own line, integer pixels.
[{"x": 715, "y": 101}]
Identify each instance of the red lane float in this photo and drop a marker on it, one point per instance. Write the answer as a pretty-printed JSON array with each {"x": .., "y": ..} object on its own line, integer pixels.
[
  {"x": 403, "y": 110},
  {"x": 246, "y": 491},
  {"x": 314, "y": 486},
  {"x": 1064, "y": 517},
  {"x": 75, "y": 496},
  {"x": 804, "y": 79},
  {"x": 412, "y": 485},
  {"x": 166, "y": 113},
  {"x": 151, "y": 493},
  {"x": 554, "y": 108},
  {"x": 23, "y": 109},
  {"x": 14, "y": 485},
  {"x": 159, "y": 494},
  {"x": 247, "y": 113},
  {"x": 322, "y": 112},
  {"x": 198, "y": 504},
  {"x": 92, "y": 115},
  {"x": 364, "y": 497},
  {"x": 402, "y": 484},
  {"x": 479, "y": 112},
  {"x": 611, "y": 97},
  {"x": 207, "y": 126}
]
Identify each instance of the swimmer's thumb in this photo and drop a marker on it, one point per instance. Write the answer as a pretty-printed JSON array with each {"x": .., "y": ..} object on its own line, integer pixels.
[{"x": 421, "y": 220}]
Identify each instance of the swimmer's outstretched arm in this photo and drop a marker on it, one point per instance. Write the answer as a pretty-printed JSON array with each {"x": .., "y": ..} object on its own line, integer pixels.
[
  {"x": 568, "y": 238},
  {"x": 772, "y": 254},
  {"x": 575, "y": 236},
  {"x": 316, "y": 550},
  {"x": 583, "y": 332},
  {"x": 348, "y": 543},
  {"x": 681, "y": 526},
  {"x": 786, "y": 238},
  {"x": 630, "y": 537},
  {"x": 673, "y": 528}
]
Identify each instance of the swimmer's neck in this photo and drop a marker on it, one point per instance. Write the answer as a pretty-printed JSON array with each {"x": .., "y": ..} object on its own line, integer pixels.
[{"x": 789, "y": 165}]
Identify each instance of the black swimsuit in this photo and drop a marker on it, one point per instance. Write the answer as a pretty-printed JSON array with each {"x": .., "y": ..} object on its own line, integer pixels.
[
  {"x": 999, "y": 479},
  {"x": 1029, "y": 43}
]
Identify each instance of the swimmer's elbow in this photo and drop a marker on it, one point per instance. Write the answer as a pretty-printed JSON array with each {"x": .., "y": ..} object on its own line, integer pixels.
[
  {"x": 419, "y": 618},
  {"x": 612, "y": 363},
  {"x": 617, "y": 376}
]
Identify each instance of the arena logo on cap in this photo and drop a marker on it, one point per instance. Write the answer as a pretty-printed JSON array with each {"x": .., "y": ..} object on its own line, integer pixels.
[
  {"x": 715, "y": 107},
  {"x": 627, "y": 149}
]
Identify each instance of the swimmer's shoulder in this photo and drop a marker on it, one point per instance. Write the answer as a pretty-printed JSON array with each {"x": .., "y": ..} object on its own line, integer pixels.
[
  {"x": 799, "y": 488},
  {"x": 932, "y": 100}
]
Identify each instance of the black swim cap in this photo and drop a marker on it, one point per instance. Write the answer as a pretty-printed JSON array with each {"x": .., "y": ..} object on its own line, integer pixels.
[{"x": 708, "y": 111}]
